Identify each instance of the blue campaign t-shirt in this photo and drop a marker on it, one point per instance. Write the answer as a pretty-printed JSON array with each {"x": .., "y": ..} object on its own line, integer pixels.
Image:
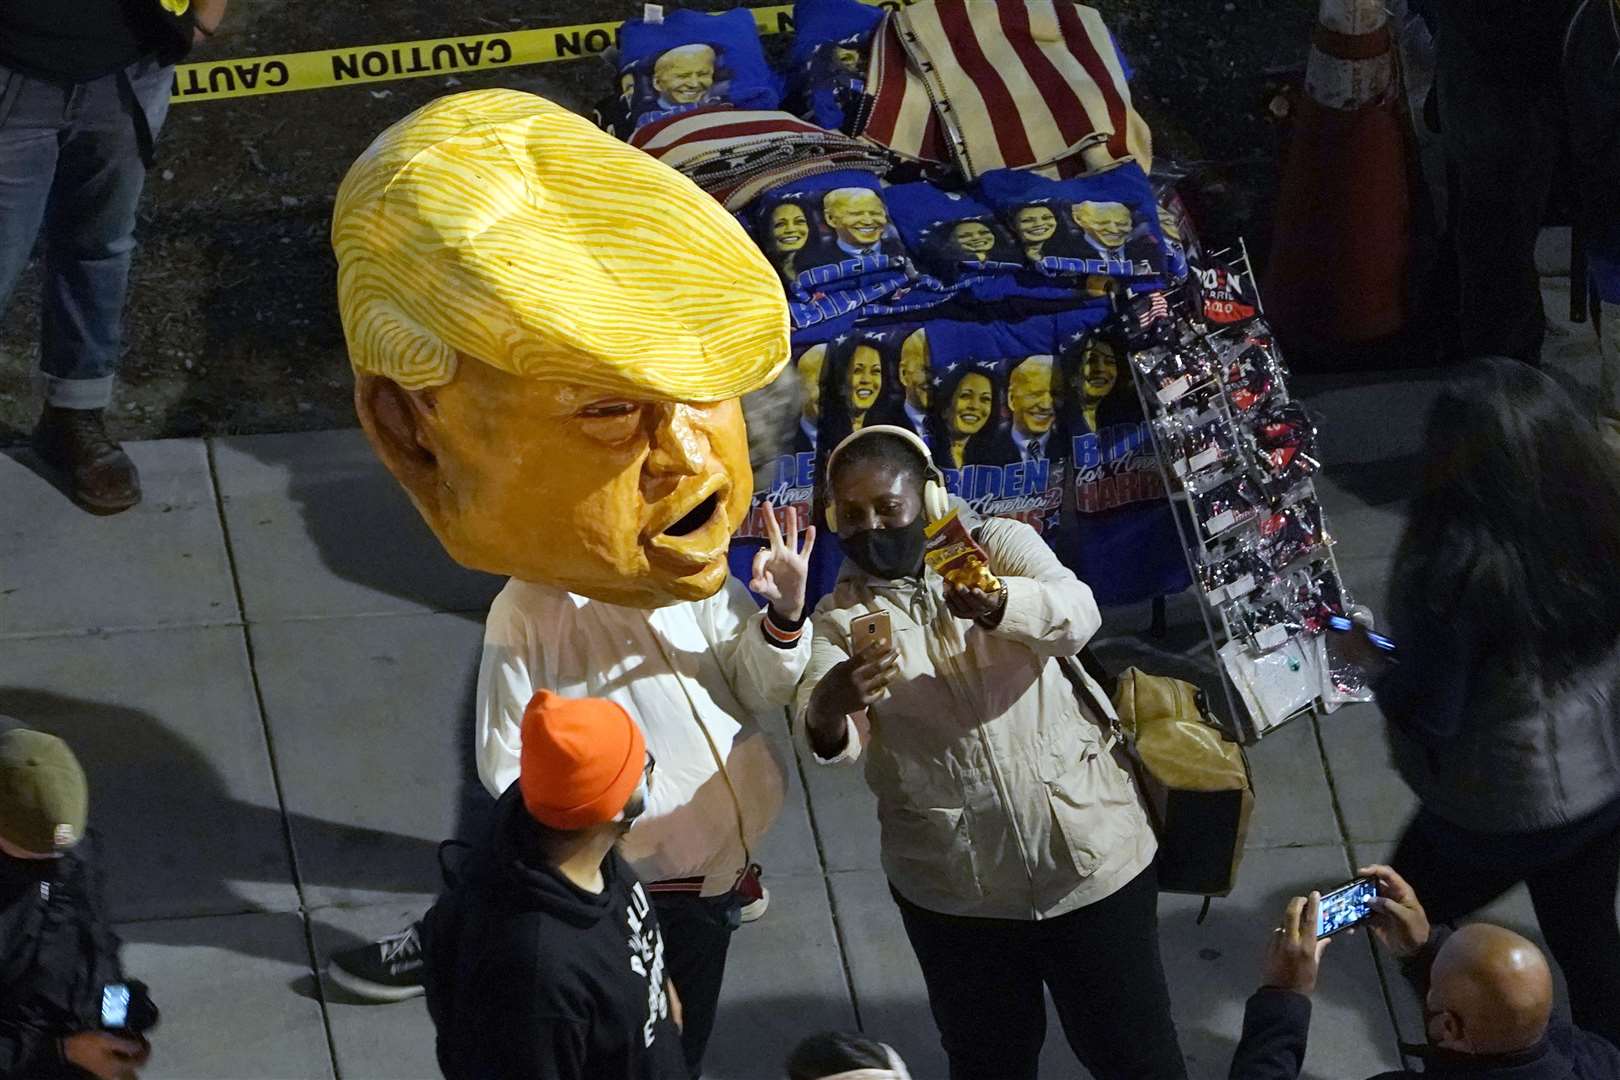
[
  {"x": 1104, "y": 225},
  {"x": 827, "y": 64},
  {"x": 991, "y": 418},
  {"x": 1118, "y": 535},
  {"x": 966, "y": 244},
  {"x": 692, "y": 60},
  {"x": 833, "y": 241}
]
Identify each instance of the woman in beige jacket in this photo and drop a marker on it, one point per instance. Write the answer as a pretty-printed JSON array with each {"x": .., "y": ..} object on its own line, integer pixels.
[{"x": 1014, "y": 845}]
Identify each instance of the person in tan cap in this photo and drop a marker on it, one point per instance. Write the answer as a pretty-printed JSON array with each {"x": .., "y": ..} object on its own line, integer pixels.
[
  {"x": 65, "y": 1007},
  {"x": 556, "y": 383},
  {"x": 545, "y": 961}
]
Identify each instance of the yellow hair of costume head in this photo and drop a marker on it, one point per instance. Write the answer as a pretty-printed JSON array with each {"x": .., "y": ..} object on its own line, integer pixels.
[{"x": 498, "y": 226}]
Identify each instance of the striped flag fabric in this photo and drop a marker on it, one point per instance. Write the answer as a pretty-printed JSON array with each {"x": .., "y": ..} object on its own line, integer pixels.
[
  {"x": 736, "y": 155},
  {"x": 1156, "y": 308},
  {"x": 991, "y": 85}
]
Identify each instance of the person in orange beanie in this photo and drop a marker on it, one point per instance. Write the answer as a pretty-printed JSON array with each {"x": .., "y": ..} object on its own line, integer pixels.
[{"x": 544, "y": 960}]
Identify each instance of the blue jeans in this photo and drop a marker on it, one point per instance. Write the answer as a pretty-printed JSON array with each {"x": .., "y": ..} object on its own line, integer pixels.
[{"x": 72, "y": 164}]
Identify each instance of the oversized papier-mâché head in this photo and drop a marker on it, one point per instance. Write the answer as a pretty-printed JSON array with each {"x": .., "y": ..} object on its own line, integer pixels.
[{"x": 550, "y": 331}]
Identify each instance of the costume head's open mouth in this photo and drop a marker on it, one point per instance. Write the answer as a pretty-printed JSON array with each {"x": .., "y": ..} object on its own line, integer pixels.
[{"x": 696, "y": 518}]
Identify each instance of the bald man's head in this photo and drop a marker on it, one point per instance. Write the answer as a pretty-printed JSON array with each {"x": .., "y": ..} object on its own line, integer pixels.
[{"x": 1490, "y": 992}]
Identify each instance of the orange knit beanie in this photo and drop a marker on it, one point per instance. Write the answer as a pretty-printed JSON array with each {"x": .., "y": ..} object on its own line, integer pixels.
[{"x": 581, "y": 760}]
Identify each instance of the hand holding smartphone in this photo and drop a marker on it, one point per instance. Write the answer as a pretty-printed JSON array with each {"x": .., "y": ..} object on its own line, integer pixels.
[
  {"x": 1372, "y": 653},
  {"x": 869, "y": 631},
  {"x": 127, "y": 1008},
  {"x": 864, "y": 678},
  {"x": 1349, "y": 905}
]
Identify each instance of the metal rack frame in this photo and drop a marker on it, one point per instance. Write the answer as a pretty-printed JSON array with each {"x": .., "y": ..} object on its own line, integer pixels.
[{"x": 1218, "y": 626}]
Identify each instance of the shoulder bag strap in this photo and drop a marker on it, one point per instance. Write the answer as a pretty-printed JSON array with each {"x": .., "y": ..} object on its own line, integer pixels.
[
  {"x": 1113, "y": 734},
  {"x": 1094, "y": 668}
]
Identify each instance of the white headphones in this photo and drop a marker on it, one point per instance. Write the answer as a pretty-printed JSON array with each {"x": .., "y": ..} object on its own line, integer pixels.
[{"x": 936, "y": 501}]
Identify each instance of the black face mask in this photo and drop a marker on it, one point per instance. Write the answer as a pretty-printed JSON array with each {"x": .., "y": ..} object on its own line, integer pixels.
[{"x": 889, "y": 553}]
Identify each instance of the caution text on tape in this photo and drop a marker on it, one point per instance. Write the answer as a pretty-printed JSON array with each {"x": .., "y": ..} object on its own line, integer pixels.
[{"x": 252, "y": 76}]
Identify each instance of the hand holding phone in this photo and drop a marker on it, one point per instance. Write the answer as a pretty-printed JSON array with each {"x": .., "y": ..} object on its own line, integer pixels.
[
  {"x": 862, "y": 679},
  {"x": 1398, "y": 919},
  {"x": 127, "y": 1008},
  {"x": 1294, "y": 952},
  {"x": 1372, "y": 653},
  {"x": 871, "y": 631}
]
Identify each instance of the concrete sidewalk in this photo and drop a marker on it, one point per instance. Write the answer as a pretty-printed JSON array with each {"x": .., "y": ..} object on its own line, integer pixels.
[{"x": 268, "y": 670}]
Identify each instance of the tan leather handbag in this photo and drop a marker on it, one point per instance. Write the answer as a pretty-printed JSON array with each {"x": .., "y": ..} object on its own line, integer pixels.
[{"x": 1194, "y": 780}]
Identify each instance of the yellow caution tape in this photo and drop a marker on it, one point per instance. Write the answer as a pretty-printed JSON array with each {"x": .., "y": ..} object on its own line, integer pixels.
[{"x": 254, "y": 75}]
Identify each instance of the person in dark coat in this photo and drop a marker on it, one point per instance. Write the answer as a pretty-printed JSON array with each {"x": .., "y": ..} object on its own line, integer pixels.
[
  {"x": 1504, "y": 122},
  {"x": 58, "y": 956},
  {"x": 1502, "y": 708},
  {"x": 545, "y": 960},
  {"x": 1486, "y": 992}
]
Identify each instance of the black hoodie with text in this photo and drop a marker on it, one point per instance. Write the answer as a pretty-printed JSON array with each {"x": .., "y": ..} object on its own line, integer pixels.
[{"x": 530, "y": 977}]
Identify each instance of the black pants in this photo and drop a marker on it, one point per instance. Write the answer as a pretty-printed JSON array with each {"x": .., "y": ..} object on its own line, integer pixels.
[
  {"x": 1101, "y": 964},
  {"x": 1572, "y": 872},
  {"x": 697, "y": 932},
  {"x": 1500, "y": 98}
]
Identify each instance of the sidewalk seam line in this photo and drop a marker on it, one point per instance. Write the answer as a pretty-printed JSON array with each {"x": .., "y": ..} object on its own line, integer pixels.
[
  {"x": 1348, "y": 846},
  {"x": 275, "y": 768},
  {"x": 109, "y": 631},
  {"x": 826, "y": 877},
  {"x": 214, "y": 624}
]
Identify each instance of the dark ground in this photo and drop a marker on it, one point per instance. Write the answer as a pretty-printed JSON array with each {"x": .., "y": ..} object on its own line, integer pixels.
[{"x": 231, "y": 325}]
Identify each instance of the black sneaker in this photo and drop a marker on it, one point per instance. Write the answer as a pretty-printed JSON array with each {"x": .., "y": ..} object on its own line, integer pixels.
[{"x": 389, "y": 969}]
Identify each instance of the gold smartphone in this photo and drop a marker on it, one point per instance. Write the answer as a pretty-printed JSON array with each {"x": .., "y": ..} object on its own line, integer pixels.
[{"x": 865, "y": 629}]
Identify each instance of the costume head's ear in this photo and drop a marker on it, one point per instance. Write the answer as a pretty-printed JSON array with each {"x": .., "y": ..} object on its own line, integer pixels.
[{"x": 403, "y": 429}]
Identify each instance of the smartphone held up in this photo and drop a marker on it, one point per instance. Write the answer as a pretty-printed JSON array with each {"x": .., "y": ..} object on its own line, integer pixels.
[
  {"x": 1384, "y": 645},
  {"x": 868, "y": 630},
  {"x": 1349, "y": 905}
]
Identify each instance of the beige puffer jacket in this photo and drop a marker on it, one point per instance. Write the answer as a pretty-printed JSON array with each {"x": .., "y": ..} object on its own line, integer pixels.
[{"x": 997, "y": 797}]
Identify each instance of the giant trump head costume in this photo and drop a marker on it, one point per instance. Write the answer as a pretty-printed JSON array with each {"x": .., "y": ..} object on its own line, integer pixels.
[{"x": 550, "y": 331}]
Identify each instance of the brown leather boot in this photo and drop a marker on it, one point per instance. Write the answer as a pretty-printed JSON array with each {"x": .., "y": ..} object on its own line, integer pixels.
[{"x": 100, "y": 475}]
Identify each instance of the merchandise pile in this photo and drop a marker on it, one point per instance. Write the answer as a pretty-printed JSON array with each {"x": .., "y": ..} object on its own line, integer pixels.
[
  {"x": 1241, "y": 458},
  {"x": 961, "y": 202}
]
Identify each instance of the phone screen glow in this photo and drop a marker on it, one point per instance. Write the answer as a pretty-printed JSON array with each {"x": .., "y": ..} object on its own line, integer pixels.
[
  {"x": 1346, "y": 907},
  {"x": 114, "y": 1005}
]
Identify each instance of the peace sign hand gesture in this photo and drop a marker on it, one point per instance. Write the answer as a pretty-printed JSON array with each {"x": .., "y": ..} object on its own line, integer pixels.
[{"x": 782, "y": 568}]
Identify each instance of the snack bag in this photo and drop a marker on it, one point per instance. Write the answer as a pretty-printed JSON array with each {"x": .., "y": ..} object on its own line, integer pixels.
[{"x": 955, "y": 556}]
